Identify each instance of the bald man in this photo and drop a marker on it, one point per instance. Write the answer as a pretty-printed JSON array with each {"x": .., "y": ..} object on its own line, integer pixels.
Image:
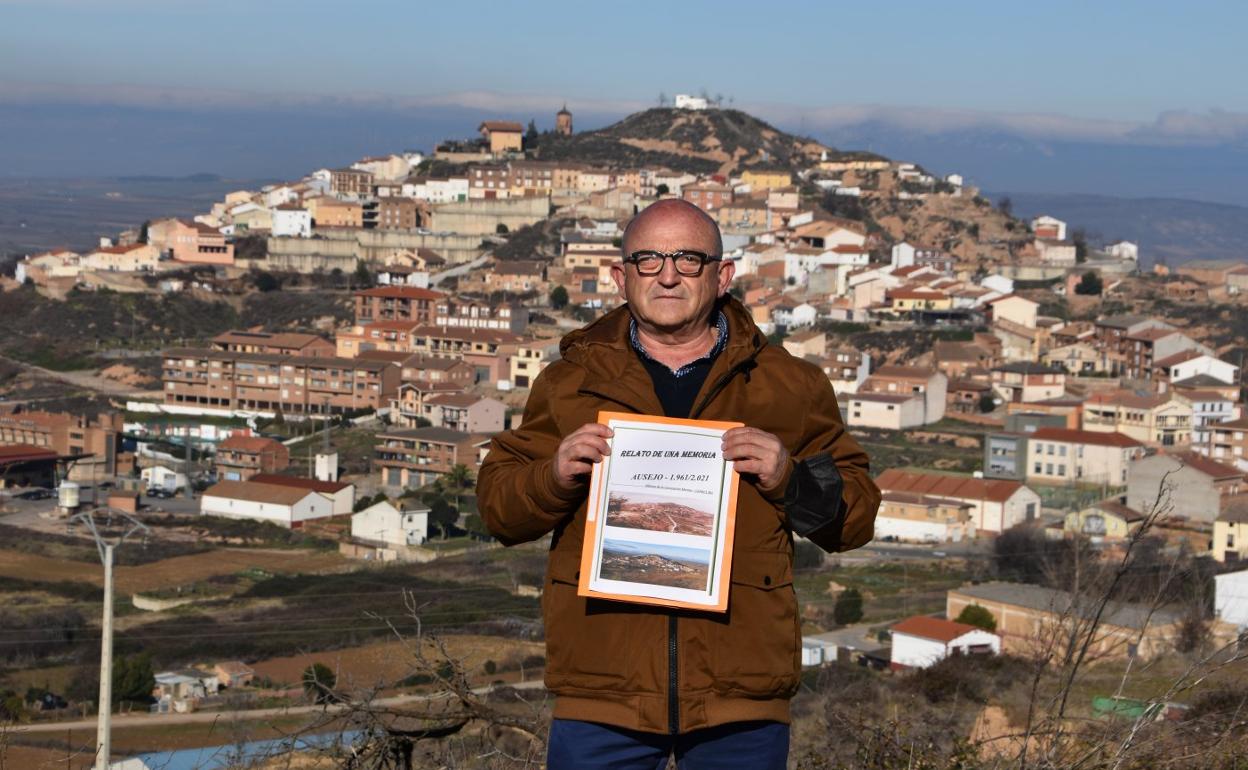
[{"x": 633, "y": 683}]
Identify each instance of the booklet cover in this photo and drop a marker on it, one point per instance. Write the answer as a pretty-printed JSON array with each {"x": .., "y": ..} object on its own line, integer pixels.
[{"x": 661, "y": 513}]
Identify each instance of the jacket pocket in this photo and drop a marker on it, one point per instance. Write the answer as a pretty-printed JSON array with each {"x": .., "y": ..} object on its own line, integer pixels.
[
  {"x": 757, "y": 651},
  {"x": 594, "y": 644}
]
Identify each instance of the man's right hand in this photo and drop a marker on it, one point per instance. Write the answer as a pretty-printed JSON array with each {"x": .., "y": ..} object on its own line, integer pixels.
[{"x": 578, "y": 452}]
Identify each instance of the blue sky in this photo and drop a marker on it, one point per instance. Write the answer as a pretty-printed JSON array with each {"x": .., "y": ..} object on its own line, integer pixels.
[{"x": 1112, "y": 61}]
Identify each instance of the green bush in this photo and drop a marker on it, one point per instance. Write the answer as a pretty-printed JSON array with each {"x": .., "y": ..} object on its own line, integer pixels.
[{"x": 975, "y": 615}]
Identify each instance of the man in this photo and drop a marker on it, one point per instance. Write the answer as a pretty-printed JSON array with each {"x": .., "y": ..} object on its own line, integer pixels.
[{"x": 635, "y": 683}]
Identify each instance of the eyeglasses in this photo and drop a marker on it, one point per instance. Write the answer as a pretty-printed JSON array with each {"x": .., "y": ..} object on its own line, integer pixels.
[{"x": 688, "y": 263}]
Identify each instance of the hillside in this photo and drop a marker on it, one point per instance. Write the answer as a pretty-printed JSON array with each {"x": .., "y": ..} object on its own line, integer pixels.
[{"x": 700, "y": 142}]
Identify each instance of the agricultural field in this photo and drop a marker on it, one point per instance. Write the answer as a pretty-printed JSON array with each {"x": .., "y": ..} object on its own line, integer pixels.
[{"x": 180, "y": 570}]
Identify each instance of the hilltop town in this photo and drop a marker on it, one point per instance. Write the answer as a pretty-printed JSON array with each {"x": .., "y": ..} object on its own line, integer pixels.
[{"x": 295, "y": 389}]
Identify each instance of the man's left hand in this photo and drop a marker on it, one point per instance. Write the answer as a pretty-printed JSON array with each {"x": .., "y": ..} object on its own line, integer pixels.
[{"x": 758, "y": 452}]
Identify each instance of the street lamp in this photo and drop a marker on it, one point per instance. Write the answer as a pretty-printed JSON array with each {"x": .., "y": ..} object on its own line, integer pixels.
[{"x": 106, "y": 541}]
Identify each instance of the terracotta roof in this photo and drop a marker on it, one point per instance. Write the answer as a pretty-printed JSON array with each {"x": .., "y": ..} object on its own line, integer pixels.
[
  {"x": 1211, "y": 468},
  {"x": 501, "y": 125},
  {"x": 1126, "y": 513},
  {"x": 297, "y": 482},
  {"x": 1128, "y": 399},
  {"x": 19, "y": 453},
  {"x": 120, "y": 249},
  {"x": 455, "y": 399},
  {"x": 915, "y": 294},
  {"x": 884, "y": 398},
  {"x": 1085, "y": 437},
  {"x": 1151, "y": 335},
  {"x": 257, "y": 492},
  {"x": 913, "y": 498},
  {"x": 1177, "y": 358},
  {"x": 241, "y": 443},
  {"x": 957, "y": 487},
  {"x": 936, "y": 629},
  {"x": 904, "y": 372}
]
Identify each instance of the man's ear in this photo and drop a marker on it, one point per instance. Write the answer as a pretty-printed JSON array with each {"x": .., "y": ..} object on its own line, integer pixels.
[
  {"x": 617, "y": 275},
  {"x": 727, "y": 269}
]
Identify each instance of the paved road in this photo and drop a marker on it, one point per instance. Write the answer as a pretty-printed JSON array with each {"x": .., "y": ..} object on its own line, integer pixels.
[
  {"x": 161, "y": 720},
  {"x": 437, "y": 278}
]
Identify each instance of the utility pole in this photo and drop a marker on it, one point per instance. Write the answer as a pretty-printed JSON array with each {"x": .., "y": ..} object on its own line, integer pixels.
[
  {"x": 189, "y": 489},
  {"x": 129, "y": 526}
]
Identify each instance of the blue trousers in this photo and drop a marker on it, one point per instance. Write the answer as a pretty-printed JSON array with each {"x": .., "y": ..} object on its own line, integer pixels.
[{"x": 578, "y": 745}]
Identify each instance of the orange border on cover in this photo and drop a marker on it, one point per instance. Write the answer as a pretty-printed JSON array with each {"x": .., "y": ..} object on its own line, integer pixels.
[{"x": 598, "y": 480}]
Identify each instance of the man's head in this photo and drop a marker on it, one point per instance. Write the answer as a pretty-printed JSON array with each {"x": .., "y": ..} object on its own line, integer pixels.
[{"x": 669, "y": 303}]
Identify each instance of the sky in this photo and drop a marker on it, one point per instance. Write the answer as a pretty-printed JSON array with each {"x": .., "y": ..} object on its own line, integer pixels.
[{"x": 1127, "y": 73}]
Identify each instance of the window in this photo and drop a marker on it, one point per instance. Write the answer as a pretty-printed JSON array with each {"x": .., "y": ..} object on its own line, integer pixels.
[
  {"x": 1037, "y": 468},
  {"x": 1048, "y": 469},
  {"x": 1061, "y": 470}
]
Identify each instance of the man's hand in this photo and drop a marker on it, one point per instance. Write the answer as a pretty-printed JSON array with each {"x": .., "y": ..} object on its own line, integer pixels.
[
  {"x": 758, "y": 452},
  {"x": 578, "y": 452}
]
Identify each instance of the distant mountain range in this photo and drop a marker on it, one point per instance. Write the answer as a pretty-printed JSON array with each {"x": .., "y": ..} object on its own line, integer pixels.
[{"x": 1168, "y": 230}]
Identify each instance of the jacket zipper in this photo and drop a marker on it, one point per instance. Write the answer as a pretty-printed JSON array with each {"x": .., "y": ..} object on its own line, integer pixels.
[
  {"x": 673, "y": 677},
  {"x": 720, "y": 384}
]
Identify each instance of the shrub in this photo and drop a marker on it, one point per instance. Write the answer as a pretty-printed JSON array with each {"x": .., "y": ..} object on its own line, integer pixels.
[
  {"x": 848, "y": 607},
  {"x": 318, "y": 682},
  {"x": 975, "y": 615}
]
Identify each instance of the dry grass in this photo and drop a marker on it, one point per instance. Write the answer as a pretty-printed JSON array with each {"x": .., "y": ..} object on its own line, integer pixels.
[
  {"x": 369, "y": 665},
  {"x": 180, "y": 570}
]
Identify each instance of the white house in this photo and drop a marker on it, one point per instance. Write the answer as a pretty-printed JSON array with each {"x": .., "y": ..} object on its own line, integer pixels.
[
  {"x": 341, "y": 496},
  {"x": 161, "y": 477},
  {"x": 922, "y": 641},
  {"x": 292, "y": 221},
  {"x": 383, "y": 524},
  {"x": 282, "y": 505},
  {"x": 889, "y": 411},
  {"x": 1049, "y": 227},
  {"x": 1192, "y": 362},
  {"x": 903, "y": 255},
  {"x": 1230, "y": 597},
  {"x": 1124, "y": 250},
  {"x": 999, "y": 284},
  {"x": 687, "y": 102}
]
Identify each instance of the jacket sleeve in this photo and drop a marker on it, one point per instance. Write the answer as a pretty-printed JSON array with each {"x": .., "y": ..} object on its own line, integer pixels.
[
  {"x": 830, "y": 498},
  {"x": 516, "y": 495}
]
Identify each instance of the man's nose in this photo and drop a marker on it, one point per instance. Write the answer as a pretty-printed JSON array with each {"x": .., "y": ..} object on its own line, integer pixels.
[{"x": 669, "y": 275}]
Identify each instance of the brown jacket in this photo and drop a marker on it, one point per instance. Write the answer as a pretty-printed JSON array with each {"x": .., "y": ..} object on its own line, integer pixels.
[{"x": 648, "y": 668}]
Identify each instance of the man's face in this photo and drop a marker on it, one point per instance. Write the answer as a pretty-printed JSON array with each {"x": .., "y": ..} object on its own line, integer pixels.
[{"x": 669, "y": 302}]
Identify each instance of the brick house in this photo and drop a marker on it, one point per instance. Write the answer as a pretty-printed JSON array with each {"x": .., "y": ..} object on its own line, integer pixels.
[{"x": 239, "y": 457}]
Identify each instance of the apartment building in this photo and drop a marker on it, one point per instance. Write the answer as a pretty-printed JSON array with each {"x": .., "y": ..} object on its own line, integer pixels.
[
  {"x": 396, "y": 303},
  {"x": 708, "y": 196},
  {"x": 1154, "y": 419},
  {"x": 408, "y": 459},
  {"x": 473, "y": 314},
  {"x": 277, "y": 343},
  {"x": 1226, "y": 442},
  {"x": 399, "y": 214},
  {"x": 69, "y": 434},
  {"x": 268, "y": 382},
  {"x": 1063, "y": 456},
  {"x": 1026, "y": 382},
  {"x": 351, "y": 181},
  {"x": 1183, "y": 484}
]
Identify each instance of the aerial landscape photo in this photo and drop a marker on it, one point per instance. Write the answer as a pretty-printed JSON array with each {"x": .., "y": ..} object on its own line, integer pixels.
[
  {"x": 657, "y": 513},
  {"x": 652, "y": 564}
]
